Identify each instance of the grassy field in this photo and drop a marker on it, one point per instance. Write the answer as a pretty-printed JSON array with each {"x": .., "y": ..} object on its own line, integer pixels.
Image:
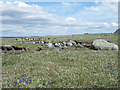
[{"x": 68, "y": 68}]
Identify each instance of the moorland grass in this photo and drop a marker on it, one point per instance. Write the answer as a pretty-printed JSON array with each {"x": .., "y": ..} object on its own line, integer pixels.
[{"x": 67, "y": 68}]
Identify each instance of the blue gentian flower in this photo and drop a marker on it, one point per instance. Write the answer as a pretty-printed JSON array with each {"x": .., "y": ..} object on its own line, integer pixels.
[
  {"x": 45, "y": 80},
  {"x": 107, "y": 68},
  {"x": 15, "y": 83},
  {"x": 22, "y": 75},
  {"x": 37, "y": 86},
  {"x": 108, "y": 63},
  {"x": 46, "y": 86},
  {"x": 8, "y": 84},
  {"x": 111, "y": 64},
  {"x": 25, "y": 78},
  {"x": 49, "y": 82},
  {"x": 26, "y": 82},
  {"x": 29, "y": 79},
  {"x": 59, "y": 74},
  {"x": 14, "y": 77},
  {"x": 20, "y": 80},
  {"x": 111, "y": 67},
  {"x": 113, "y": 70},
  {"x": 66, "y": 82},
  {"x": 117, "y": 70}
]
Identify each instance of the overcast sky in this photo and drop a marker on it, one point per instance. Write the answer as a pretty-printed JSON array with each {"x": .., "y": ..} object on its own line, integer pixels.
[{"x": 58, "y": 18}]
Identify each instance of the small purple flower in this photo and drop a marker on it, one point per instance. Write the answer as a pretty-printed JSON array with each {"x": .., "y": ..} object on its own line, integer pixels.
[
  {"x": 14, "y": 77},
  {"x": 46, "y": 87},
  {"x": 59, "y": 74},
  {"x": 111, "y": 64},
  {"x": 107, "y": 68},
  {"x": 117, "y": 70},
  {"x": 26, "y": 82}
]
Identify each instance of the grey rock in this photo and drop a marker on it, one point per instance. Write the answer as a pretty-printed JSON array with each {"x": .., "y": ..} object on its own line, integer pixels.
[
  {"x": 42, "y": 42},
  {"x": 33, "y": 42},
  {"x": 64, "y": 43},
  {"x": 65, "y": 46},
  {"x": 57, "y": 49},
  {"x": 101, "y": 44},
  {"x": 80, "y": 45},
  {"x": 7, "y": 45},
  {"x": 50, "y": 45},
  {"x": 71, "y": 42},
  {"x": 57, "y": 44}
]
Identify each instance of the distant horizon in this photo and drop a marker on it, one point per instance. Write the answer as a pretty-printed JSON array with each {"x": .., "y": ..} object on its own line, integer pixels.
[{"x": 49, "y": 35}]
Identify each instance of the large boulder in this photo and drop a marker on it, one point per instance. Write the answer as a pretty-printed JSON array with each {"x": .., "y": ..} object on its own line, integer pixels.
[{"x": 101, "y": 44}]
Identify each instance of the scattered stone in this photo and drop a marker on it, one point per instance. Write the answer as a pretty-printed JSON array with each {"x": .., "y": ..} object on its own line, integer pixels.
[
  {"x": 57, "y": 44},
  {"x": 33, "y": 42},
  {"x": 71, "y": 43},
  {"x": 57, "y": 49},
  {"x": 80, "y": 45},
  {"x": 42, "y": 42},
  {"x": 65, "y": 46},
  {"x": 101, "y": 44},
  {"x": 50, "y": 45},
  {"x": 64, "y": 43}
]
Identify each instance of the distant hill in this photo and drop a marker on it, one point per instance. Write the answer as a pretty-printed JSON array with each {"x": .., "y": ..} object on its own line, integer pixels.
[{"x": 117, "y": 31}]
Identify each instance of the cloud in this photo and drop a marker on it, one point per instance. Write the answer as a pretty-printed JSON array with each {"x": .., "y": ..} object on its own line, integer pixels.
[
  {"x": 92, "y": 8},
  {"x": 21, "y": 19},
  {"x": 104, "y": 7},
  {"x": 115, "y": 24},
  {"x": 65, "y": 3}
]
